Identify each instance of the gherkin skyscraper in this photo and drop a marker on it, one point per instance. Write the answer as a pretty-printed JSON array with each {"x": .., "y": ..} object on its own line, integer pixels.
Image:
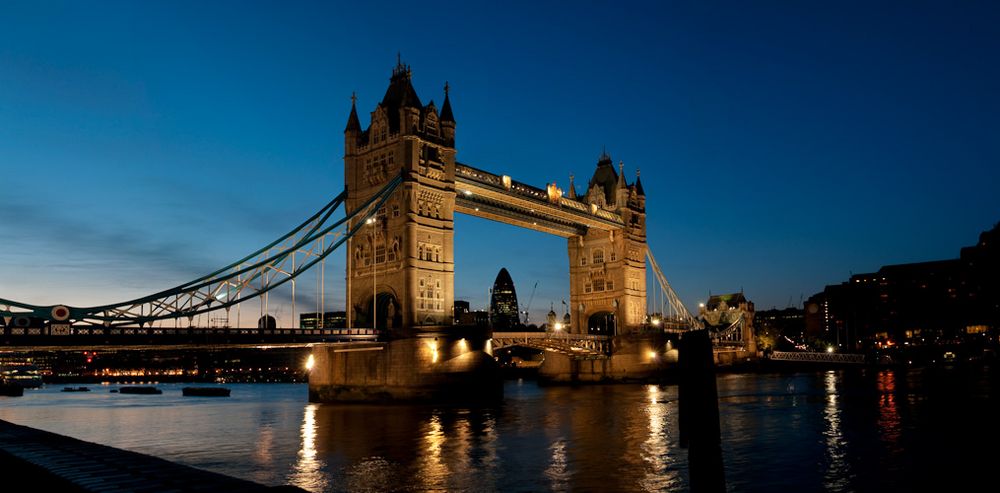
[{"x": 503, "y": 302}]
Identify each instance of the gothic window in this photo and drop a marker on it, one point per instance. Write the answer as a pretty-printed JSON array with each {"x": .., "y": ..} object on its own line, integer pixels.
[
  {"x": 394, "y": 251},
  {"x": 437, "y": 284},
  {"x": 380, "y": 216},
  {"x": 598, "y": 285},
  {"x": 395, "y": 210},
  {"x": 421, "y": 285},
  {"x": 380, "y": 253},
  {"x": 420, "y": 255},
  {"x": 588, "y": 287},
  {"x": 598, "y": 256},
  {"x": 437, "y": 255},
  {"x": 610, "y": 285},
  {"x": 583, "y": 259},
  {"x": 614, "y": 255}
]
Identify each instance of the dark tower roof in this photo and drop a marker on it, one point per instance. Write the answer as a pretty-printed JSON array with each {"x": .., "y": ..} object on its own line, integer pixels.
[
  {"x": 400, "y": 94},
  {"x": 638, "y": 184},
  {"x": 446, "y": 115},
  {"x": 605, "y": 177},
  {"x": 353, "y": 124}
]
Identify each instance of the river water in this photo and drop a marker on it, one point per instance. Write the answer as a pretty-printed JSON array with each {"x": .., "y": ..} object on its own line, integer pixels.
[{"x": 857, "y": 430}]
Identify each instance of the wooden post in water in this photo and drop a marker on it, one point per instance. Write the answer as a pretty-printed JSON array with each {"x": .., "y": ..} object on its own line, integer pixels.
[{"x": 698, "y": 419}]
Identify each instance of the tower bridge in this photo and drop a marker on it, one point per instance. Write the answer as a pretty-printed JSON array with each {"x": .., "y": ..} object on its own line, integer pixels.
[{"x": 403, "y": 187}]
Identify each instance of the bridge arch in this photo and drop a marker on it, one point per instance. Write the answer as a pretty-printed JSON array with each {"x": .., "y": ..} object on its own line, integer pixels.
[
  {"x": 602, "y": 323},
  {"x": 387, "y": 308}
]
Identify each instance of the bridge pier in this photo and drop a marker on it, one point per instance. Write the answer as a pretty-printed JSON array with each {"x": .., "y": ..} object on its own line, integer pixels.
[
  {"x": 432, "y": 366},
  {"x": 634, "y": 358}
]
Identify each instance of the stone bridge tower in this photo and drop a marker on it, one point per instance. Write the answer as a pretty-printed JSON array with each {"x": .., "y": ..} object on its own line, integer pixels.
[
  {"x": 608, "y": 268},
  {"x": 408, "y": 251}
]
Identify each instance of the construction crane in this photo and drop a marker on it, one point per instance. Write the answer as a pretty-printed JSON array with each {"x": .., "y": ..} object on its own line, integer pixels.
[{"x": 527, "y": 308}]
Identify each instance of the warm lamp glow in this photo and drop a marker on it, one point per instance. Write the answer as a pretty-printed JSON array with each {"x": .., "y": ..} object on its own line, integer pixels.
[{"x": 310, "y": 363}]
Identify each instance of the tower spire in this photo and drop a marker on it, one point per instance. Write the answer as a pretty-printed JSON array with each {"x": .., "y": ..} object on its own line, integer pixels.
[
  {"x": 572, "y": 187},
  {"x": 638, "y": 184},
  {"x": 621, "y": 174},
  {"x": 446, "y": 114},
  {"x": 353, "y": 123}
]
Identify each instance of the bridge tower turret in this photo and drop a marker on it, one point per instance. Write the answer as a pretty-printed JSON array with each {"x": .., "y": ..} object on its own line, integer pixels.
[
  {"x": 408, "y": 250},
  {"x": 608, "y": 268}
]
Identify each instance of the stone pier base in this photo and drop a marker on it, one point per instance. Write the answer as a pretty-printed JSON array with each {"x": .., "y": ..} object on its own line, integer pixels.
[
  {"x": 428, "y": 368},
  {"x": 634, "y": 358}
]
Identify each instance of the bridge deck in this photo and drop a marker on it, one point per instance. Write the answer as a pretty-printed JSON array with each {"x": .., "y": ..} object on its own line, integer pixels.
[
  {"x": 156, "y": 336},
  {"x": 581, "y": 346}
]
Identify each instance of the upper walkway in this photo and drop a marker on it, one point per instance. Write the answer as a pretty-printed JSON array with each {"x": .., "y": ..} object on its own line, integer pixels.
[{"x": 484, "y": 194}]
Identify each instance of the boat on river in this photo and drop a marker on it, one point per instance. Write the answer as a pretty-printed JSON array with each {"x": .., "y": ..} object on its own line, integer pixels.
[
  {"x": 143, "y": 390},
  {"x": 10, "y": 389},
  {"x": 25, "y": 375},
  {"x": 205, "y": 392}
]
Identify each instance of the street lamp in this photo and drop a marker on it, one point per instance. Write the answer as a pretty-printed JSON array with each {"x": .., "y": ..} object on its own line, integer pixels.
[{"x": 373, "y": 221}]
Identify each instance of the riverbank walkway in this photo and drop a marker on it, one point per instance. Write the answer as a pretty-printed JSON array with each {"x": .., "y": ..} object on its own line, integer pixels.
[{"x": 32, "y": 460}]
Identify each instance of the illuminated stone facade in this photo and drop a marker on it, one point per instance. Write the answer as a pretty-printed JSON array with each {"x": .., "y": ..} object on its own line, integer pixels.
[
  {"x": 608, "y": 268},
  {"x": 409, "y": 249},
  {"x": 410, "y": 245}
]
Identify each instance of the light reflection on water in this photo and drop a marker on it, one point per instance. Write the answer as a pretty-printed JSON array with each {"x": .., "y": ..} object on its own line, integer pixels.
[
  {"x": 838, "y": 471},
  {"x": 824, "y": 431}
]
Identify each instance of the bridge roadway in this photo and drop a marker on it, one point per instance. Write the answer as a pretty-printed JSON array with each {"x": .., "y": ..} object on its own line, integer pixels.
[
  {"x": 581, "y": 346},
  {"x": 177, "y": 338}
]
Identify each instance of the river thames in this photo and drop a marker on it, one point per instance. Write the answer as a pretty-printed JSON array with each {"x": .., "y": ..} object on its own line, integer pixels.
[{"x": 856, "y": 430}]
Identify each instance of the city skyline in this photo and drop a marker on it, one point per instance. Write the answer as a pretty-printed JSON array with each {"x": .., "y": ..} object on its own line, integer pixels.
[{"x": 145, "y": 145}]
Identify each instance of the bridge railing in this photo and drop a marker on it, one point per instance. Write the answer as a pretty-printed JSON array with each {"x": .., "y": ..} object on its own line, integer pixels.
[
  {"x": 99, "y": 331},
  {"x": 845, "y": 358},
  {"x": 562, "y": 336}
]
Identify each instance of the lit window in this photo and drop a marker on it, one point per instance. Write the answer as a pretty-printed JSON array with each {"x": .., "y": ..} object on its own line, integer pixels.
[{"x": 598, "y": 256}]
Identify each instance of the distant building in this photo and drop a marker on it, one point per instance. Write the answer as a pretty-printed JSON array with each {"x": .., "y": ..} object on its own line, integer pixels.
[
  {"x": 503, "y": 302},
  {"x": 921, "y": 302},
  {"x": 461, "y": 308},
  {"x": 479, "y": 318},
  {"x": 331, "y": 320},
  {"x": 787, "y": 321},
  {"x": 772, "y": 326},
  {"x": 730, "y": 319}
]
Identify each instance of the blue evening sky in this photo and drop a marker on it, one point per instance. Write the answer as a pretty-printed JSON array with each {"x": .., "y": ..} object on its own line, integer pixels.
[{"x": 783, "y": 145}]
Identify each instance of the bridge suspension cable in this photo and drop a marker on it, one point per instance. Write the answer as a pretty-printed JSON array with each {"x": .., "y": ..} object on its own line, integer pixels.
[
  {"x": 679, "y": 312},
  {"x": 251, "y": 277}
]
